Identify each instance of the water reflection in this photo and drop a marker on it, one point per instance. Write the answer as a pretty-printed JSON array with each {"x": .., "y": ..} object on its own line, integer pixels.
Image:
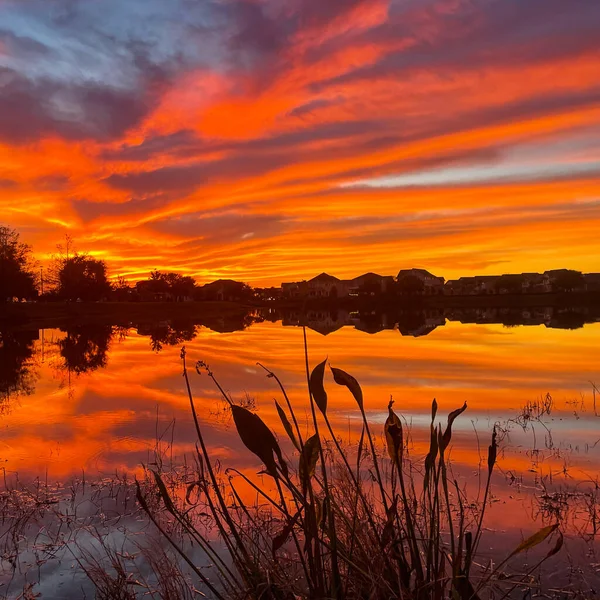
[
  {"x": 85, "y": 348},
  {"x": 125, "y": 390},
  {"x": 17, "y": 370},
  {"x": 168, "y": 333}
]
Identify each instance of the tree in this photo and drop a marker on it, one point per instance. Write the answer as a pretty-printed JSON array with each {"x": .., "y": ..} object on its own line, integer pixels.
[
  {"x": 181, "y": 286},
  {"x": 17, "y": 278},
  {"x": 82, "y": 277},
  {"x": 177, "y": 285},
  {"x": 410, "y": 285},
  {"x": 569, "y": 280},
  {"x": 121, "y": 290},
  {"x": 510, "y": 284}
]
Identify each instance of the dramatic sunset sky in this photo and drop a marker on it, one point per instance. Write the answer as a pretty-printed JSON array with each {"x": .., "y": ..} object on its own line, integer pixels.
[{"x": 269, "y": 140}]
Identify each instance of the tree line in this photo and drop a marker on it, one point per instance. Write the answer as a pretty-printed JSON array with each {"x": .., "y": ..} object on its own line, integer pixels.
[{"x": 76, "y": 276}]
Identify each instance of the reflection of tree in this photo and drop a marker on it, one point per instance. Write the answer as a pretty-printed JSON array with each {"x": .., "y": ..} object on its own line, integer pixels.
[
  {"x": 170, "y": 334},
  {"x": 84, "y": 348},
  {"x": 16, "y": 373}
]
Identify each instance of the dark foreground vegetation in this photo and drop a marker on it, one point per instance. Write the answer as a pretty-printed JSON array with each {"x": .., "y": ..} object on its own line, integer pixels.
[{"x": 334, "y": 523}]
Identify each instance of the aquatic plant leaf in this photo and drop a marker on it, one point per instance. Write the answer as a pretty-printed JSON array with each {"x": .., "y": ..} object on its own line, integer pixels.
[
  {"x": 535, "y": 539},
  {"x": 317, "y": 389},
  {"x": 280, "y": 539},
  {"x": 394, "y": 435},
  {"x": 451, "y": 418},
  {"x": 287, "y": 425},
  {"x": 492, "y": 452},
  {"x": 319, "y": 512},
  {"x": 308, "y": 459},
  {"x": 462, "y": 589},
  {"x": 343, "y": 378},
  {"x": 434, "y": 407},
  {"x": 258, "y": 438},
  {"x": 389, "y": 530},
  {"x": 431, "y": 456},
  {"x": 557, "y": 546}
]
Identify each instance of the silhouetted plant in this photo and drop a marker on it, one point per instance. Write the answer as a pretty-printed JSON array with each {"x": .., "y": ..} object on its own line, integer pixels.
[
  {"x": 336, "y": 525},
  {"x": 16, "y": 369},
  {"x": 17, "y": 277}
]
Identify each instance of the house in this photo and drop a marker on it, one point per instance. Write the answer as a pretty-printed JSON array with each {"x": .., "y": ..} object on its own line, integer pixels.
[
  {"x": 535, "y": 283},
  {"x": 226, "y": 290},
  {"x": 369, "y": 284},
  {"x": 592, "y": 282},
  {"x": 430, "y": 284},
  {"x": 327, "y": 286},
  {"x": 268, "y": 294},
  {"x": 480, "y": 285},
  {"x": 294, "y": 290},
  {"x": 147, "y": 292}
]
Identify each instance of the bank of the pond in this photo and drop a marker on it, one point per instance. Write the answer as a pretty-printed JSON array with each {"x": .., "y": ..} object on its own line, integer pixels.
[{"x": 56, "y": 313}]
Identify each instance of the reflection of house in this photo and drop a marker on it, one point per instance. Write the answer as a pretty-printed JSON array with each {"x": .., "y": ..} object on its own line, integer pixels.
[
  {"x": 326, "y": 321},
  {"x": 431, "y": 283},
  {"x": 420, "y": 324},
  {"x": 372, "y": 322}
]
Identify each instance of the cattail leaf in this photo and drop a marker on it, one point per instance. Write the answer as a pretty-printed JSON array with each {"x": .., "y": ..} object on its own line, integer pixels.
[
  {"x": 287, "y": 425},
  {"x": 317, "y": 389},
  {"x": 308, "y": 459},
  {"x": 434, "y": 407},
  {"x": 451, "y": 418},
  {"x": 535, "y": 539},
  {"x": 343, "y": 378},
  {"x": 431, "y": 456},
  {"x": 394, "y": 435},
  {"x": 258, "y": 438},
  {"x": 492, "y": 453}
]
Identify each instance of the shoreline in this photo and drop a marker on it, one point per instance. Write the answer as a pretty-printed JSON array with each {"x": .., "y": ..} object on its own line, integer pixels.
[{"x": 55, "y": 314}]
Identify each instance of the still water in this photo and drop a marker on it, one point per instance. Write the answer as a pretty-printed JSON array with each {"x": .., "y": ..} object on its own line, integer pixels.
[
  {"x": 95, "y": 398},
  {"x": 97, "y": 401}
]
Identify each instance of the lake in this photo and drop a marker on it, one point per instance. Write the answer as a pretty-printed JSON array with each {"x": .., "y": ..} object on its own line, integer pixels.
[{"x": 93, "y": 401}]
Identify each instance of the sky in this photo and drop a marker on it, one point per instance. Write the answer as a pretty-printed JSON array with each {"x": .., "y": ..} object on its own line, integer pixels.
[{"x": 270, "y": 140}]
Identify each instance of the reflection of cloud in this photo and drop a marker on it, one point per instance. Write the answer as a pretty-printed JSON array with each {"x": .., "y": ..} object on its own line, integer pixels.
[{"x": 108, "y": 420}]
